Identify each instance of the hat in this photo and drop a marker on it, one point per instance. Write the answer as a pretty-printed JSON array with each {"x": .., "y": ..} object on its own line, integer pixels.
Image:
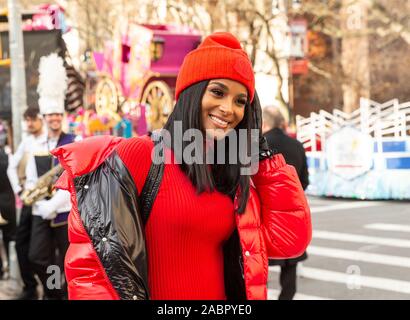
[
  {"x": 220, "y": 55},
  {"x": 52, "y": 84}
]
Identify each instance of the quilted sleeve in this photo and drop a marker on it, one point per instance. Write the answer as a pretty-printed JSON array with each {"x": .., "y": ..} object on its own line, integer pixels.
[
  {"x": 86, "y": 277},
  {"x": 285, "y": 214}
]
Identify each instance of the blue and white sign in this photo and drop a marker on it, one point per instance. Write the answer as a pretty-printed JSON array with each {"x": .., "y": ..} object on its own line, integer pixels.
[
  {"x": 365, "y": 155},
  {"x": 349, "y": 153}
]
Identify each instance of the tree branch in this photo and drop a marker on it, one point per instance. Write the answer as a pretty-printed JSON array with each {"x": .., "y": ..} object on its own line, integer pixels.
[{"x": 319, "y": 71}]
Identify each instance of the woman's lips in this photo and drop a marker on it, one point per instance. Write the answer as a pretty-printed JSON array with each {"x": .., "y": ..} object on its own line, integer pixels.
[{"x": 218, "y": 121}]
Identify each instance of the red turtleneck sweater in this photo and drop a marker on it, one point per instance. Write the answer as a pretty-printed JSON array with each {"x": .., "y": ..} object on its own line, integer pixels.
[{"x": 185, "y": 231}]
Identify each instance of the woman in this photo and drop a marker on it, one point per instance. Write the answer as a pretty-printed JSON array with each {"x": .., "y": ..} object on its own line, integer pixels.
[{"x": 209, "y": 232}]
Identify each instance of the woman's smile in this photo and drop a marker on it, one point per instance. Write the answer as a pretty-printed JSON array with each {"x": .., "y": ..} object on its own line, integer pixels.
[{"x": 220, "y": 123}]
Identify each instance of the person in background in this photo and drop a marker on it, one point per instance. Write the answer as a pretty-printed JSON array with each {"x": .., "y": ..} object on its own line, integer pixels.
[
  {"x": 274, "y": 129},
  {"x": 17, "y": 175},
  {"x": 7, "y": 200},
  {"x": 35, "y": 132},
  {"x": 49, "y": 221}
]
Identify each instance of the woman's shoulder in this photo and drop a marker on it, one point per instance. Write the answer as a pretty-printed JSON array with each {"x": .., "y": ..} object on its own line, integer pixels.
[
  {"x": 136, "y": 155},
  {"x": 136, "y": 144}
]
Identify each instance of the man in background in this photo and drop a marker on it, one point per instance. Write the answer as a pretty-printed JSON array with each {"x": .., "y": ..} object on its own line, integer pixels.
[
  {"x": 16, "y": 170},
  {"x": 49, "y": 216},
  {"x": 17, "y": 175},
  {"x": 274, "y": 129},
  {"x": 49, "y": 235}
]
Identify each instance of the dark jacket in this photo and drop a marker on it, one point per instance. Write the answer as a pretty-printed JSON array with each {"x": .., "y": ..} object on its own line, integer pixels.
[
  {"x": 7, "y": 203},
  {"x": 294, "y": 154},
  {"x": 7, "y": 200}
]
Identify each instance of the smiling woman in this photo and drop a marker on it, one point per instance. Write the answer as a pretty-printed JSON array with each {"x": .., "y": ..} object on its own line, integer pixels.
[{"x": 210, "y": 230}]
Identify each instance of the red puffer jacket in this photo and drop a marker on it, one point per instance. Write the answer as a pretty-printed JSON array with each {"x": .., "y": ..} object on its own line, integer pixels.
[{"x": 276, "y": 224}]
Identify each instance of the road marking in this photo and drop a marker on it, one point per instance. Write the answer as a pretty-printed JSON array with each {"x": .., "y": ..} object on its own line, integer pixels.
[
  {"x": 364, "y": 281},
  {"x": 360, "y": 256},
  {"x": 346, "y": 206},
  {"x": 273, "y": 294},
  {"x": 348, "y": 237},
  {"x": 320, "y": 202},
  {"x": 388, "y": 227}
]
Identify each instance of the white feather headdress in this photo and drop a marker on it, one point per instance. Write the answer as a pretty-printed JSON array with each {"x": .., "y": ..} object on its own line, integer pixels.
[{"x": 52, "y": 84}]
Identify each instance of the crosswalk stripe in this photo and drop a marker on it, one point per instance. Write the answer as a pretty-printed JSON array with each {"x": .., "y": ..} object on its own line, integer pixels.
[
  {"x": 388, "y": 227},
  {"x": 273, "y": 294},
  {"x": 354, "y": 280},
  {"x": 391, "y": 242},
  {"x": 360, "y": 256},
  {"x": 346, "y": 206}
]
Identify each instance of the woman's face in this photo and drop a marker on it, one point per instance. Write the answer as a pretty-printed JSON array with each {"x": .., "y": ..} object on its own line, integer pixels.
[{"x": 223, "y": 107}]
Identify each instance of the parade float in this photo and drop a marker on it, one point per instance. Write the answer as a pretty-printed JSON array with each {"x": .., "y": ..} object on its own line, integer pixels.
[
  {"x": 129, "y": 87},
  {"x": 136, "y": 74},
  {"x": 43, "y": 28},
  {"x": 363, "y": 155}
]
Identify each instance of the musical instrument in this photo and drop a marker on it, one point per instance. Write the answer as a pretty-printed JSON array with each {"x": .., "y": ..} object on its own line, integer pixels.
[{"x": 43, "y": 188}]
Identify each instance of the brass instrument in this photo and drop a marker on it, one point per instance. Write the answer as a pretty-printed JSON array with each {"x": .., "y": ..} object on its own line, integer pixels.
[{"x": 43, "y": 188}]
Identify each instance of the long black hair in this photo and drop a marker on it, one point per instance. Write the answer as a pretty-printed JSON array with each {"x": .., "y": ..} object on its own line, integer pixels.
[{"x": 226, "y": 178}]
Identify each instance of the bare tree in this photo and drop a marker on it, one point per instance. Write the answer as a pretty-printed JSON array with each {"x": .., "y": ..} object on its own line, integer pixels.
[
  {"x": 351, "y": 25},
  {"x": 251, "y": 21}
]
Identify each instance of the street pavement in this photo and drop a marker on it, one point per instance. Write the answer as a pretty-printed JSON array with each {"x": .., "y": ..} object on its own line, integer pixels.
[
  {"x": 9, "y": 289},
  {"x": 360, "y": 250}
]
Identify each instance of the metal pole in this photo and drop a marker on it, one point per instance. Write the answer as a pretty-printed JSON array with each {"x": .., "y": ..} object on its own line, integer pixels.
[
  {"x": 18, "y": 103},
  {"x": 18, "y": 73}
]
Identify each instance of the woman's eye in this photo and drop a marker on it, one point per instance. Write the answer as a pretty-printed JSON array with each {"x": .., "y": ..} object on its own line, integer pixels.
[
  {"x": 217, "y": 92},
  {"x": 241, "y": 102}
]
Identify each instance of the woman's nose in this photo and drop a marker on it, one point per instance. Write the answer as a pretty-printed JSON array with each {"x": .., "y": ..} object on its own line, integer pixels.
[{"x": 226, "y": 107}]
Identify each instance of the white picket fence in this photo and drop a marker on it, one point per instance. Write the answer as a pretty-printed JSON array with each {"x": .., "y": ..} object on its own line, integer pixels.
[{"x": 389, "y": 120}]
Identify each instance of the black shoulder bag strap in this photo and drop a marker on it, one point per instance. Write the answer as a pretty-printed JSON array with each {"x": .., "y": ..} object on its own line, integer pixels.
[{"x": 151, "y": 186}]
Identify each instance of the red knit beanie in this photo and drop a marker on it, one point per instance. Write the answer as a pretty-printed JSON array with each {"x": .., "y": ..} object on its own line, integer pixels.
[{"x": 219, "y": 56}]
